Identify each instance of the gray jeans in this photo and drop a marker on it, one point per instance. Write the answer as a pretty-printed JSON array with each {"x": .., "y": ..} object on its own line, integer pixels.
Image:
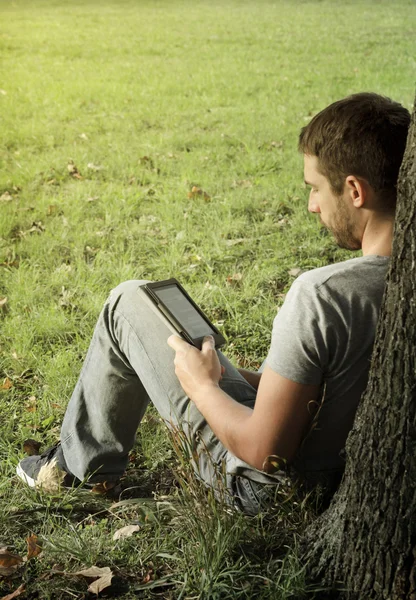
[{"x": 129, "y": 364}]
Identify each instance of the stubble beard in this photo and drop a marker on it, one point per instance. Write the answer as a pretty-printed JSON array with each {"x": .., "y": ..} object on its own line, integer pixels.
[{"x": 343, "y": 230}]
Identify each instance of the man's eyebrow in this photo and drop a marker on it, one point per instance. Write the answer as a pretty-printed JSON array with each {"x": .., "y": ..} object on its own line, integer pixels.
[{"x": 308, "y": 183}]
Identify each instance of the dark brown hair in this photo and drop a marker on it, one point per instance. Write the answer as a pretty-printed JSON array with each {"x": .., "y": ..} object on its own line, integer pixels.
[{"x": 363, "y": 135}]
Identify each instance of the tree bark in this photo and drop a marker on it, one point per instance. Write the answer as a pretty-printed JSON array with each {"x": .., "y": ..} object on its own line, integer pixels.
[{"x": 365, "y": 543}]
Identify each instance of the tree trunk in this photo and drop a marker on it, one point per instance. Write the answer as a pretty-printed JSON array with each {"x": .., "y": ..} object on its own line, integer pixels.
[{"x": 365, "y": 543}]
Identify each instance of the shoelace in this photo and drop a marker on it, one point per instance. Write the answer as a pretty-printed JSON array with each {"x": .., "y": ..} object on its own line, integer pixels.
[{"x": 49, "y": 453}]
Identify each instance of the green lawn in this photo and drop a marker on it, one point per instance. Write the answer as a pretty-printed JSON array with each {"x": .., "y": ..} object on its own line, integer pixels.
[{"x": 111, "y": 112}]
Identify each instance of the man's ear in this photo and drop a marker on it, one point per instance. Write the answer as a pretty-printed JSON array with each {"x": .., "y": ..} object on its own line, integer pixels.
[{"x": 357, "y": 189}]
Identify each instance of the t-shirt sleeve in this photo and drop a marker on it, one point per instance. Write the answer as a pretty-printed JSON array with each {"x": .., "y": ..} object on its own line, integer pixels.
[{"x": 301, "y": 336}]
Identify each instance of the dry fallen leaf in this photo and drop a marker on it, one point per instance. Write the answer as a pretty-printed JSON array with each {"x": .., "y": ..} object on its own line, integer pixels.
[
  {"x": 234, "y": 278},
  {"x": 295, "y": 272},
  {"x": 146, "y": 160},
  {"x": 30, "y": 405},
  {"x": 126, "y": 531},
  {"x": 37, "y": 227},
  {"x": 3, "y": 304},
  {"x": 73, "y": 170},
  {"x": 94, "y": 167},
  {"x": 235, "y": 241},
  {"x": 104, "y": 487},
  {"x": 102, "y": 576},
  {"x": 33, "y": 546},
  {"x": 6, "y": 197},
  {"x": 9, "y": 562},
  {"x": 52, "y": 208},
  {"x": 196, "y": 191},
  {"x": 31, "y": 447},
  {"x": 17, "y": 592},
  {"x": 10, "y": 263},
  {"x": 243, "y": 183},
  {"x": 7, "y": 384},
  {"x": 147, "y": 219}
]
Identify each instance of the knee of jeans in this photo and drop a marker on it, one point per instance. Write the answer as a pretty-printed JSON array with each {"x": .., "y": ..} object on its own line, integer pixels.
[{"x": 126, "y": 287}]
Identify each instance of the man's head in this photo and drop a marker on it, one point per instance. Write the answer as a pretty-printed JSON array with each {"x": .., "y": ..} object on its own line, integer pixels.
[{"x": 353, "y": 151}]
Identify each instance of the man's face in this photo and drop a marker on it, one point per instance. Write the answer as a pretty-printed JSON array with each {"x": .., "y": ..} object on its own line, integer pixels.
[{"x": 336, "y": 212}]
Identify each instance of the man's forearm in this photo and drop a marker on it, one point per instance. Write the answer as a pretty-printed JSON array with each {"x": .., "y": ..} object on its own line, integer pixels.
[
  {"x": 231, "y": 423},
  {"x": 252, "y": 377}
]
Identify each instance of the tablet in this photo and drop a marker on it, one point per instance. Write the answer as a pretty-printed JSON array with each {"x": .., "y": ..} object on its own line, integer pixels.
[{"x": 180, "y": 310}]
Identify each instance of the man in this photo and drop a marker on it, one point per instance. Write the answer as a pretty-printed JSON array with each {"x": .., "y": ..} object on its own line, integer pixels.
[{"x": 300, "y": 409}]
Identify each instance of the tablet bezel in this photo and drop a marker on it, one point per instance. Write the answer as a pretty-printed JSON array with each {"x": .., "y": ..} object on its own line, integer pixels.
[{"x": 151, "y": 288}]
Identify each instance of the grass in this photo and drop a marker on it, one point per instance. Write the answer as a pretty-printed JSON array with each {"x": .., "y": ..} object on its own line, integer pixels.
[{"x": 111, "y": 112}]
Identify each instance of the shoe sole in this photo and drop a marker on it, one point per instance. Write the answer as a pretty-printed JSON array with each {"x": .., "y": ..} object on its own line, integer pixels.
[{"x": 25, "y": 477}]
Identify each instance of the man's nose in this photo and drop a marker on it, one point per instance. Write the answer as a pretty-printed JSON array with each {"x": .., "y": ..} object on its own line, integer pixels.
[{"x": 313, "y": 205}]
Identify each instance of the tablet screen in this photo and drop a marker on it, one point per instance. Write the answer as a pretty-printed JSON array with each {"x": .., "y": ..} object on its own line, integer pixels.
[{"x": 183, "y": 311}]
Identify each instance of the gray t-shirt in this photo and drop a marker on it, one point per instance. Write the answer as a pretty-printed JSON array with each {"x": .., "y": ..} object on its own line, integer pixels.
[{"x": 324, "y": 334}]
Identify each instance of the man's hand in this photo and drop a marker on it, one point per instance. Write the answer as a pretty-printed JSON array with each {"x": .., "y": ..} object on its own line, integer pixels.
[
  {"x": 274, "y": 427},
  {"x": 196, "y": 369}
]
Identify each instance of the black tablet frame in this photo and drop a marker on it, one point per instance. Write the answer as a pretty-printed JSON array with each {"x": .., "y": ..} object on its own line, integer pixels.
[{"x": 151, "y": 290}]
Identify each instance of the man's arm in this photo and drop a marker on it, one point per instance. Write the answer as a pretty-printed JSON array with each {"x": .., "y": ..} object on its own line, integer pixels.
[{"x": 276, "y": 425}]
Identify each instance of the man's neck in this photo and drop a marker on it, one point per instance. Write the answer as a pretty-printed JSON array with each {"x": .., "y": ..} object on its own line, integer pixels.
[{"x": 378, "y": 235}]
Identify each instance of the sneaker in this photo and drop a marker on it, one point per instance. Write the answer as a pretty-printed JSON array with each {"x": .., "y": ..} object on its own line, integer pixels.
[{"x": 46, "y": 471}]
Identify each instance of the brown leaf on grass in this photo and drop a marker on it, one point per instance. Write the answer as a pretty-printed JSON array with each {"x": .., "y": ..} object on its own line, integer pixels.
[
  {"x": 94, "y": 167},
  {"x": 6, "y": 197},
  {"x": 235, "y": 241},
  {"x": 73, "y": 170},
  {"x": 90, "y": 253},
  {"x": 52, "y": 209},
  {"x": 102, "y": 576},
  {"x": 33, "y": 546},
  {"x": 146, "y": 160},
  {"x": 31, "y": 447},
  {"x": 198, "y": 192},
  {"x": 17, "y": 592},
  {"x": 65, "y": 299},
  {"x": 30, "y": 405},
  {"x": 295, "y": 272},
  {"x": 148, "y": 577},
  {"x": 242, "y": 183},
  {"x": 7, "y": 384},
  {"x": 234, "y": 278},
  {"x": 126, "y": 531},
  {"x": 37, "y": 227},
  {"x": 3, "y": 305},
  {"x": 10, "y": 263},
  {"x": 105, "y": 487},
  {"x": 9, "y": 562}
]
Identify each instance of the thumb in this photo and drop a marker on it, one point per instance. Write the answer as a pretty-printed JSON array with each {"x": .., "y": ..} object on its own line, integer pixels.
[{"x": 208, "y": 343}]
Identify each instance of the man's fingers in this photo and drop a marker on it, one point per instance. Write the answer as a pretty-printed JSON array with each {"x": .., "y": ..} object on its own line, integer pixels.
[
  {"x": 177, "y": 343},
  {"x": 208, "y": 343}
]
